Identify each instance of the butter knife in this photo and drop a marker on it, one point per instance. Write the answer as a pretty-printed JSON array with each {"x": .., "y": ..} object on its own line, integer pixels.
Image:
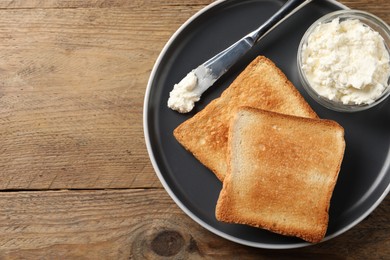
[{"x": 189, "y": 90}]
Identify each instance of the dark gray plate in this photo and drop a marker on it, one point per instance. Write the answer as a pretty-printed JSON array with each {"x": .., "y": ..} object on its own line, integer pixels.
[{"x": 365, "y": 174}]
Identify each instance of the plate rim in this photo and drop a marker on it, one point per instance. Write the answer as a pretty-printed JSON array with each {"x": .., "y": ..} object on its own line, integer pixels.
[{"x": 168, "y": 188}]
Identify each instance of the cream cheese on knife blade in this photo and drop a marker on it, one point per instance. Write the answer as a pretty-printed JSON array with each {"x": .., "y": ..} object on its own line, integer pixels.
[{"x": 188, "y": 91}]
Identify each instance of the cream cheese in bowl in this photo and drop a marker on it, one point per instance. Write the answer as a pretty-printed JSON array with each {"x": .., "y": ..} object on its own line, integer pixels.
[{"x": 344, "y": 60}]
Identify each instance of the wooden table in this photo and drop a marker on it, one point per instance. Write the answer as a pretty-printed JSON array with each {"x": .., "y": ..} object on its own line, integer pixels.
[{"x": 75, "y": 178}]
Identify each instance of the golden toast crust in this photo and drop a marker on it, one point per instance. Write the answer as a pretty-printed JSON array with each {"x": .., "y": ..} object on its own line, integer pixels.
[
  {"x": 281, "y": 173},
  {"x": 261, "y": 85}
]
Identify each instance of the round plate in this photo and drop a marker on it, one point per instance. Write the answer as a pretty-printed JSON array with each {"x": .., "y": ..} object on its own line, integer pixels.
[{"x": 365, "y": 173}]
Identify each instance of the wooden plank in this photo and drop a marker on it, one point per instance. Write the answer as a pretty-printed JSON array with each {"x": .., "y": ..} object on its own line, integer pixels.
[
  {"x": 72, "y": 86},
  {"x": 133, "y": 4},
  {"x": 145, "y": 224},
  {"x": 377, "y": 7}
]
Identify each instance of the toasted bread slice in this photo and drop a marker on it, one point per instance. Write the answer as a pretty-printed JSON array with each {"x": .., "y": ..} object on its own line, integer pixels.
[
  {"x": 260, "y": 85},
  {"x": 282, "y": 171}
]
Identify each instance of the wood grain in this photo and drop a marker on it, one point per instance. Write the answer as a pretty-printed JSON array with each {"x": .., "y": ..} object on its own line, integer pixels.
[
  {"x": 71, "y": 96},
  {"x": 75, "y": 178},
  {"x": 134, "y": 5},
  {"x": 145, "y": 224}
]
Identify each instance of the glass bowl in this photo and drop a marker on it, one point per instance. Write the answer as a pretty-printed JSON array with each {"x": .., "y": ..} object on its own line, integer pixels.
[{"x": 338, "y": 102}]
